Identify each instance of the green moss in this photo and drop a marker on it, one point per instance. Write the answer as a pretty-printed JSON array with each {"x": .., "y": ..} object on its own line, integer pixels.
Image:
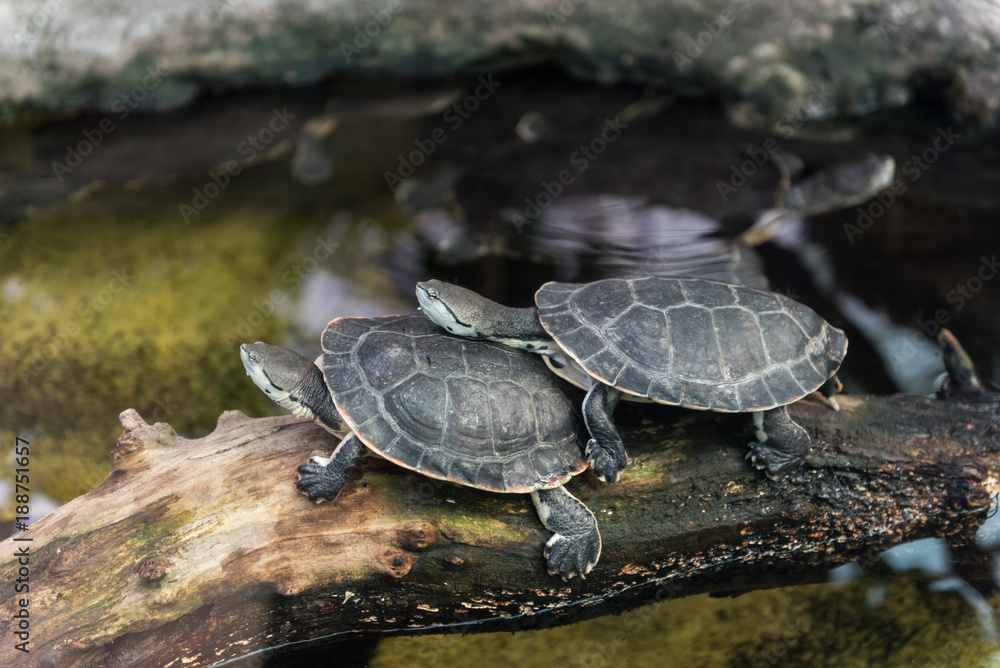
[
  {"x": 106, "y": 309},
  {"x": 156, "y": 531},
  {"x": 465, "y": 519},
  {"x": 805, "y": 626}
]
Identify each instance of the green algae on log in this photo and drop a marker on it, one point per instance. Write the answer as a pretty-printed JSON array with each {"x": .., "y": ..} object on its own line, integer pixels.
[{"x": 193, "y": 552}]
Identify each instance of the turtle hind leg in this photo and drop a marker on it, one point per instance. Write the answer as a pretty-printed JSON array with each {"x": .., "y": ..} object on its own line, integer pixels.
[
  {"x": 575, "y": 545},
  {"x": 605, "y": 450},
  {"x": 829, "y": 391},
  {"x": 781, "y": 443},
  {"x": 321, "y": 478}
]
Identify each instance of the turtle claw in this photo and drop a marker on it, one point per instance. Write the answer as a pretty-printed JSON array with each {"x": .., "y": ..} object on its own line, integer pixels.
[
  {"x": 318, "y": 482},
  {"x": 607, "y": 464},
  {"x": 575, "y": 545},
  {"x": 321, "y": 478},
  {"x": 773, "y": 462},
  {"x": 568, "y": 557}
]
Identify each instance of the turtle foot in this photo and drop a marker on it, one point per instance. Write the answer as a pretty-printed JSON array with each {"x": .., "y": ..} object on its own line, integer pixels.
[
  {"x": 321, "y": 478},
  {"x": 569, "y": 556},
  {"x": 605, "y": 450},
  {"x": 318, "y": 482},
  {"x": 607, "y": 464},
  {"x": 781, "y": 443},
  {"x": 575, "y": 545},
  {"x": 774, "y": 463}
]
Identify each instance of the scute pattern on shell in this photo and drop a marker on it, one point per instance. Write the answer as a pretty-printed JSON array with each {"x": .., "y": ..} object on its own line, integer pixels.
[
  {"x": 693, "y": 342},
  {"x": 475, "y": 413}
]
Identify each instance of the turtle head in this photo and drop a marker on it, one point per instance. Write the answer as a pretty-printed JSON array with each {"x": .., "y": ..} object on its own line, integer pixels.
[
  {"x": 459, "y": 310},
  {"x": 277, "y": 371},
  {"x": 293, "y": 382},
  {"x": 472, "y": 316}
]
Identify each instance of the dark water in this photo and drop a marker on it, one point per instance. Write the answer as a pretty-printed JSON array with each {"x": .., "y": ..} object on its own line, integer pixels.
[{"x": 133, "y": 262}]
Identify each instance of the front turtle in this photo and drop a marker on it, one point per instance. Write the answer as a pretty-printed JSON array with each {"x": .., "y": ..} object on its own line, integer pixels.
[
  {"x": 472, "y": 413},
  {"x": 688, "y": 342}
]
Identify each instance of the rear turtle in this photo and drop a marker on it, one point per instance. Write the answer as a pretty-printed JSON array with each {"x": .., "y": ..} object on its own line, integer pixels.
[
  {"x": 689, "y": 342},
  {"x": 468, "y": 412}
]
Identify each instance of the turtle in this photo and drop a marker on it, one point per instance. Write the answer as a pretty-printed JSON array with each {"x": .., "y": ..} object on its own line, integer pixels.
[
  {"x": 689, "y": 342},
  {"x": 469, "y": 412}
]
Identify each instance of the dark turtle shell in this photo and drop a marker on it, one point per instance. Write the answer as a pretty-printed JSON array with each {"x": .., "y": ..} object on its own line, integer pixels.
[
  {"x": 471, "y": 412},
  {"x": 693, "y": 342}
]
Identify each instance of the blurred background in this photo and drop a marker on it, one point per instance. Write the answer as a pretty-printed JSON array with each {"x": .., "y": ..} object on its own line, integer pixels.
[{"x": 174, "y": 182}]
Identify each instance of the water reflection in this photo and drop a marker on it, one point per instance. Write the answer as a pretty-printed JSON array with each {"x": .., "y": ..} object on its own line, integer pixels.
[{"x": 308, "y": 231}]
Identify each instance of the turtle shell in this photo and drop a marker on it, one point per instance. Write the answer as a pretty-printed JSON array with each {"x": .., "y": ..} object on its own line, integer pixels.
[
  {"x": 470, "y": 412},
  {"x": 693, "y": 342}
]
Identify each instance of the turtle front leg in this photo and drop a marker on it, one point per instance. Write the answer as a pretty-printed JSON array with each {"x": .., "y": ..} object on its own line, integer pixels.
[
  {"x": 322, "y": 477},
  {"x": 605, "y": 450},
  {"x": 575, "y": 545},
  {"x": 781, "y": 443}
]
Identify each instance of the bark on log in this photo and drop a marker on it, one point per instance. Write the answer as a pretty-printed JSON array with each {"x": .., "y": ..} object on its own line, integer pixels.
[{"x": 193, "y": 552}]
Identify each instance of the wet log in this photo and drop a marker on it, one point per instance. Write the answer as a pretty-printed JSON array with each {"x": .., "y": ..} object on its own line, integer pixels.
[{"x": 194, "y": 552}]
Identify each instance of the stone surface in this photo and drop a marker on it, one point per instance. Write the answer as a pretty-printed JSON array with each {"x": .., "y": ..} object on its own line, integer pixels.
[{"x": 772, "y": 60}]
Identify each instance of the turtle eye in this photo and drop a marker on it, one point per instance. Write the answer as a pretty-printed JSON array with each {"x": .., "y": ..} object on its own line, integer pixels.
[
  {"x": 432, "y": 294},
  {"x": 252, "y": 358}
]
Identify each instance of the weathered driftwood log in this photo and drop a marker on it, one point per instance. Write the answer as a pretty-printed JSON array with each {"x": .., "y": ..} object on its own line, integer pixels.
[{"x": 193, "y": 552}]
